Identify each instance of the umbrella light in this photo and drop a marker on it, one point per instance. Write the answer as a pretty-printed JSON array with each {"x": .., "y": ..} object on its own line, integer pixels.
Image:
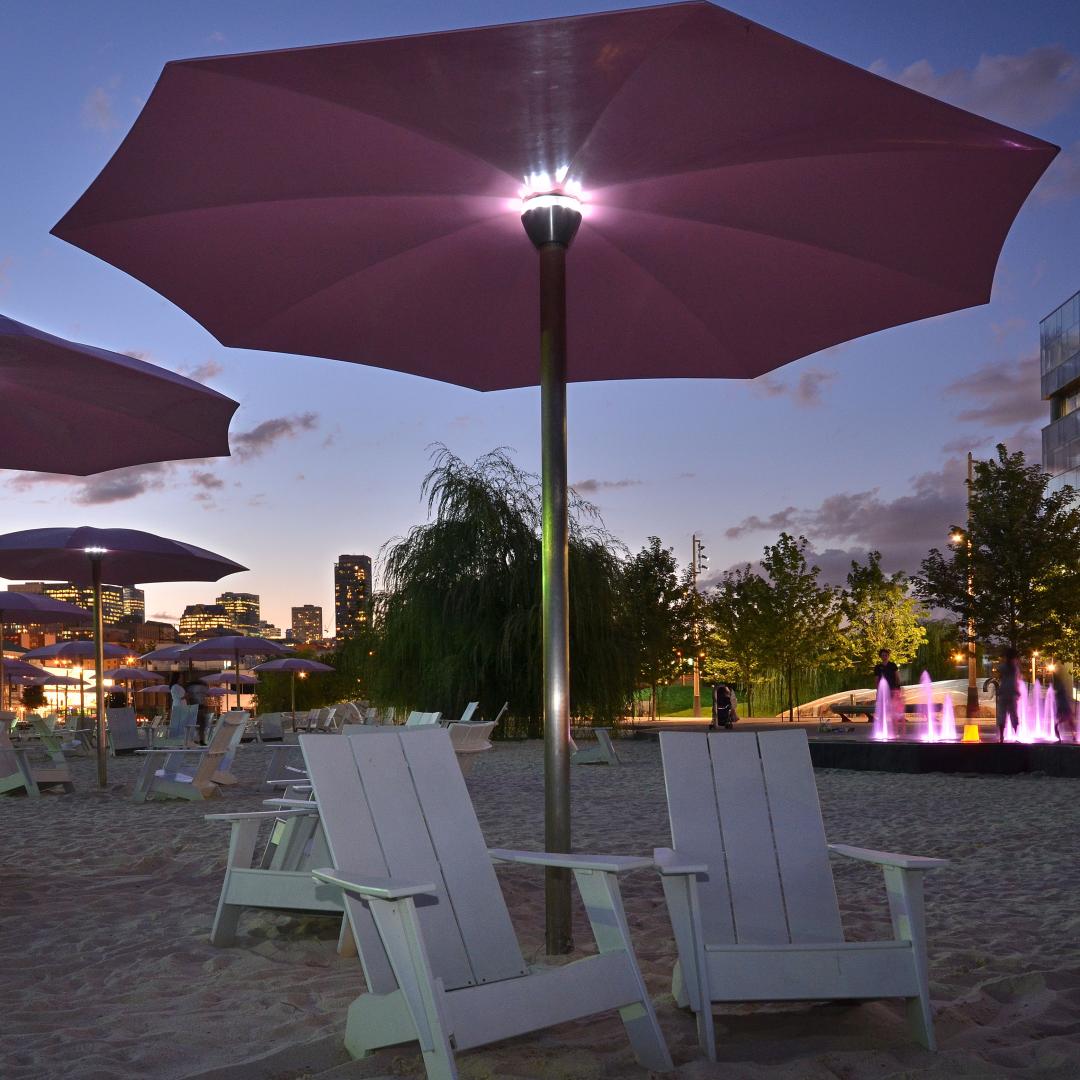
[
  {"x": 84, "y": 556},
  {"x": 738, "y": 200}
]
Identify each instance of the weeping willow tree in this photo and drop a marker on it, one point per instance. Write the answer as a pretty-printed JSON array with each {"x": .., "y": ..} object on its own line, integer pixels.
[{"x": 459, "y": 618}]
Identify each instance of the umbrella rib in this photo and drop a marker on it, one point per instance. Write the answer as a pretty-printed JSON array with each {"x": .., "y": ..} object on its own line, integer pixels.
[{"x": 815, "y": 246}]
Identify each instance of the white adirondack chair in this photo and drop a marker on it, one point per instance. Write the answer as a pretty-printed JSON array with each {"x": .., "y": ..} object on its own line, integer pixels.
[
  {"x": 447, "y": 971},
  {"x": 187, "y": 774},
  {"x": 55, "y": 740},
  {"x": 468, "y": 740},
  {"x": 123, "y": 731},
  {"x": 17, "y": 771},
  {"x": 751, "y": 894},
  {"x": 181, "y": 730},
  {"x": 603, "y": 753},
  {"x": 422, "y": 719},
  {"x": 223, "y": 774},
  {"x": 280, "y": 879},
  {"x": 469, "y": 712}
]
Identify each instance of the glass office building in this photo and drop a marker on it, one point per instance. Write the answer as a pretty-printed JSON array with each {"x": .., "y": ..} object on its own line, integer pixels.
[{"x": 1059, "y": 369}]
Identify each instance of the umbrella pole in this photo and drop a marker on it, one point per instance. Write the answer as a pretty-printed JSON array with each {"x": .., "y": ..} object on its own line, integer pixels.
[
  {"x": 551, "y": 230},
  {"x": 1, "y": 661},
  {"x": 99, "y": 664},
  {"x": 292, "y": 696}
]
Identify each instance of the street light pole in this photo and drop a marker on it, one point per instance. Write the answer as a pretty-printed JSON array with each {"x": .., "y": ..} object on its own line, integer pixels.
[
  {"x": 698, "y": 562},
  {"x": 972, "y": 688}
]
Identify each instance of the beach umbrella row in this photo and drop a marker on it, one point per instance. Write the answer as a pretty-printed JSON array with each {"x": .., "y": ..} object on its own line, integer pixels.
[{"x": 294, "y": 665}]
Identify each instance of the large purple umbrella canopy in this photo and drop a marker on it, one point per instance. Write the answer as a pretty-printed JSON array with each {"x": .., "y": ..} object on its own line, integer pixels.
[
  {"x": 749, "y": 200},
  {"x": 128, "y": 557},
  {"x": 72, "y": 408},
  {"x": 36, "y": 609},
  {"x": 296, "y": 664},
  {"x": 227, "y": 646}
]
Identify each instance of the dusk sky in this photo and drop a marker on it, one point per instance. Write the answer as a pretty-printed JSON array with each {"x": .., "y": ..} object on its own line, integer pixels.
[{"x": 858, "y": 447}]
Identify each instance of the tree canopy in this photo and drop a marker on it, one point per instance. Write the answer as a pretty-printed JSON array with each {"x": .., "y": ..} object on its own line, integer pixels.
[{"x": 881, "y": 613}]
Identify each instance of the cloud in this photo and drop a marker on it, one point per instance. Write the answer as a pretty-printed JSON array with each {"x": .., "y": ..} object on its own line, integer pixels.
[
  {"x": 165, "y": 616},
  {"x": 805, "y": 391},
  {"x": 591, "y": 487},
  {"x": 262, "y": 437},
  {"x": 996, "y": 395},
  {"x": 121, "y": 484},
  {"x": 1062, "y": 180},
  {"x": 216, "y": 37},
  {"x": 206, "y": 480},
  {"x": 97, "y": 111},
  {"x": 203, "y": 372},
  {"x": 1022, "y": 89}
]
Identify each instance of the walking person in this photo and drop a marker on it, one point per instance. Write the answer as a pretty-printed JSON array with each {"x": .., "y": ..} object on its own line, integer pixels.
[
  {"x": 1008, "y": 694},
  {"x": 196, "y": 695},
  {"x": 887, "y": 670}
]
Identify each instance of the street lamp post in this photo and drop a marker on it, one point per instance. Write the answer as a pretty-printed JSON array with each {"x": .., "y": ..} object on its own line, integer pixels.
[
  {"x": 698, "y": 561},
  {"x": 957, "y": 537}
]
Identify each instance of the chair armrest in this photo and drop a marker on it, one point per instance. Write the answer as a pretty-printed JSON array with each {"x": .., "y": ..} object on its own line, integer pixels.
[
  {"x": 299, "y": 804},
  {"x": 671, "y": 862},
  {"x": 572, "y": 861},
  {"x": 301, "y": 783},
  {"x": 265, "y": 814},
  {"x": 167, "y": 750},
  {"x": 888, "y": 858},
  {"x": 378, "y": 888}
]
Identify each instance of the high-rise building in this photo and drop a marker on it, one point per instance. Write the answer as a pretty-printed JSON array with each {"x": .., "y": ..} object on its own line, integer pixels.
[
  {"x": 134, "y": 605},
  {"x": 1059, "y": 367},
  {"x": 267, "y": 630},
  {"x": 112, "y": 596},
  {"x": 352, "y": 594},
  {"x": 202, "y": 620},
  {"x": 307, "y": 623},
  {"x": 243, "y": 609}
]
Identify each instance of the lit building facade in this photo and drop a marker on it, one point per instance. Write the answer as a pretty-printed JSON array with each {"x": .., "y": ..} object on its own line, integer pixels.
[
  {"x": 202, "y": 620},
  {"x": 1059, "y": 368},
  {"x": 352, "y": 594},
  {"x": 307, "y": 623},
  {"x": 112, "y": 596},
  {"x": 134, "y": 605},
  {"x": 243, "y": 609}
]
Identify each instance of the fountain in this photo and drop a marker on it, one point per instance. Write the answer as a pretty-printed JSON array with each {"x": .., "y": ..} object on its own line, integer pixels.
[{"x": 881, "y": 730}]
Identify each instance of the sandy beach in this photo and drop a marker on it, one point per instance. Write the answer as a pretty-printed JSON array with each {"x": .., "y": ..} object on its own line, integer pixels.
[{"x": 108, "y": 971}]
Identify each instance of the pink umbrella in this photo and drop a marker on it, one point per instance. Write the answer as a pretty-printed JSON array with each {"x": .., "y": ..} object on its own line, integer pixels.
[
  {"x": 71, "y": 408},
  {"x": 746, "y": 199},
  {"x": 32, "y": 608},
  {"x": 294, "y": 665},
  {"x": 121, "y": 556},
  {"x": 229, "y": 678}
]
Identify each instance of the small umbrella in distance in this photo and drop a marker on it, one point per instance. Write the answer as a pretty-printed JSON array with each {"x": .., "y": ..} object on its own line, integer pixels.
[
  {"x": 294, "y": 665},
  {"x": 232, "y": 647},
  {"x": 71, "y": 408},
  {"x": 33, "y": 608},
  {"x": 89, "y": 556},
  {"x": 78, "y": 650},
  {"x": 743, "y": 200},
  {"x": 229, "y": 678}
]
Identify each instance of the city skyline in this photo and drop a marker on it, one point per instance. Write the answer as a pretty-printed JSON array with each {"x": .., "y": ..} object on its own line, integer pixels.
[{"x": 859, "y": 446}]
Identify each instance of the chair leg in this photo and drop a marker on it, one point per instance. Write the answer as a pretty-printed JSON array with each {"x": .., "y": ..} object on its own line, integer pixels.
[
  {"x": 421, "y": 992},
  {"x": 145, "y": 781},
  {"x": 690, "y": 979},
  {"x": 905, "y": 891},
  {"x": 241, "y": 847},
  {"x": 603, "y": 904}
]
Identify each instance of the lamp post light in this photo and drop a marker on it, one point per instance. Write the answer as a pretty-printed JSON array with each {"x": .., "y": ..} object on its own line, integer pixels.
[
  {"x": 958, "y": 538},
  {"x": 699, "y": 561},
  {"x": 1034, "y": 657}
]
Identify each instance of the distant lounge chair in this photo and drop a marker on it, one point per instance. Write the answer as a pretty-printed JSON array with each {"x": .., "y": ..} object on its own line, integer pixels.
[
  {"x": 187, "y": 774},
  {"x": 468, "y": 740},
  {"x": 750, "y": 890},
  {"x": 183, "y": 721},
  {"x": 18, "y": 772},
  {"x": 441, "y": 961},
  {"x": 123, "y": 731},
  {"x": 469, "y": 712},
  {"x": 422, "y": 719},
  {"x": 603, "y": 753}
]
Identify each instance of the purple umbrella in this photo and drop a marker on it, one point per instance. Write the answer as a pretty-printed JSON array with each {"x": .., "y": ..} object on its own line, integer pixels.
[
  {"x": 33, "y": 608},
  {"x": 71, "y": 408},
  {"x": 294, "y": 665},
  {"x": 79, "y": 649},
  {"x": 747, "y": 200},
  {"x": 229, "y": 678},
  {"x": 160, "y": 688},
  {"x": 232, "y": 647},
  {"x": 166, "y": 652},
  {"x": 123, "y": 557}
]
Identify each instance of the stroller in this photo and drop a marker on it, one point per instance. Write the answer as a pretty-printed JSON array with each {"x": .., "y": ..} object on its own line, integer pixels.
[{"x": 723, "y": 706}]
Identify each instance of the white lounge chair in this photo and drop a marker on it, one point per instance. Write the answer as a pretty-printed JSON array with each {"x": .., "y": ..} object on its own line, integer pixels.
[
  {"x": 750, "y": 890},
  {"x": 187, "y": 774},
  {"x": 183, "y": 720},
  {"x": 223, "y": 773},
  {"x": 469, "y": 712},
  {"x": 603, "y": 753},
  {"x": 422, "y": 719},
  {"x": 18, "y": 772},
  {"x": 468, "y": 740},
  {"x": 447, "y": 971},
  {"x": 123, "y": 731}
]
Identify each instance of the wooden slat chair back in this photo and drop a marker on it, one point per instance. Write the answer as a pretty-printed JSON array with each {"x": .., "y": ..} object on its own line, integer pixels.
[
  {"x": 439, "y": 953},
  {"x": 750, "y": 888},
  {"x": 393, "y": 806},
  {"x": 422, "y": 719},
  {"x": 123, "y": 731},
  {"x": 469, "y": 712},
  {"x": 223, "y": 773},
  {"x": 15, "y": 772},
  {"x": 182, "y": 721},
  {"x": 187, "y": 774}
]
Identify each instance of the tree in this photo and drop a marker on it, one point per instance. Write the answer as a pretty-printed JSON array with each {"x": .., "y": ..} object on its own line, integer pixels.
[
  {"x": 1021, "y": 553},
  {"x": 801, "y": 627},
  {"x": 654, "y": 612},
  {"x": 738, "y": 613},
  {"x": 460, "y": 615},
  {"x": 881, "y": 614},
  {"x": 33, "y": 697}
]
